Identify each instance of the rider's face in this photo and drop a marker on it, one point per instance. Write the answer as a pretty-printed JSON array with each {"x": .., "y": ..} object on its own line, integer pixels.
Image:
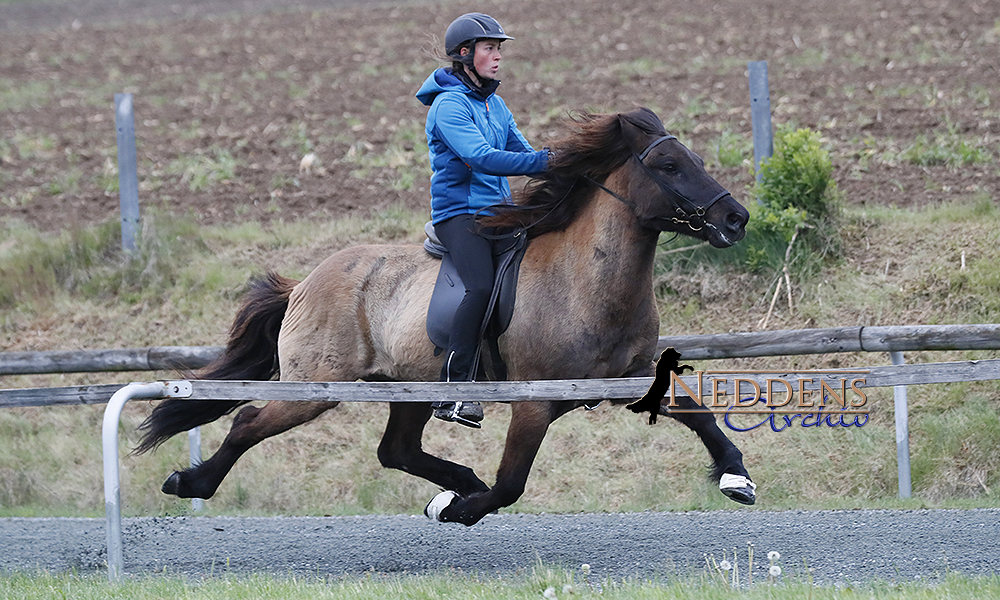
[{"x": 487, "y": 58}]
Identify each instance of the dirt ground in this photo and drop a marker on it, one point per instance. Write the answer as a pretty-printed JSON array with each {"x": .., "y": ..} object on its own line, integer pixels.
[{"x": 230, "y": 95}]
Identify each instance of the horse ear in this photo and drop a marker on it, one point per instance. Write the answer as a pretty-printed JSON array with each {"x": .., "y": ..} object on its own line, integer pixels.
[{"x": 634, "y": 134}]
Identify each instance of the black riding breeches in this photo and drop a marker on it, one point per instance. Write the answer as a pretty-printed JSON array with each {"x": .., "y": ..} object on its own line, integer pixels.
[{"x": 472, "y": 255}]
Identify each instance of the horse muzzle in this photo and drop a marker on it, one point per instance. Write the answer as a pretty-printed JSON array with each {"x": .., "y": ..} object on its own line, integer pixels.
[{"x": 725, "y": 227}]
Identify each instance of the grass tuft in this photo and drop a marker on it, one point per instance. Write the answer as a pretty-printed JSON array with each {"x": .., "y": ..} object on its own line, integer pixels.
[{"x": 543, "y": 582}]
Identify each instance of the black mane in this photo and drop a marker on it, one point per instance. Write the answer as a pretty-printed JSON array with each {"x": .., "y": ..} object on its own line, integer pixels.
[{"x": 593, "y": 149}]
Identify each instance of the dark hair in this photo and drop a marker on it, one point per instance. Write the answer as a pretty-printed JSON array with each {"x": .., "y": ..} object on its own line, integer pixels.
[{"x": 592, "y": 149}]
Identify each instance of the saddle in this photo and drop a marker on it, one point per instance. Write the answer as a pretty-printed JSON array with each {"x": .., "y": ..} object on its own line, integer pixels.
[{"x": 449, "y": 291}]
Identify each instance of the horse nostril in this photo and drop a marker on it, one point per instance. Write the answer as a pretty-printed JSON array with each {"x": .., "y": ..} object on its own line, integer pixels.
[{"x": 736, "y": 221}]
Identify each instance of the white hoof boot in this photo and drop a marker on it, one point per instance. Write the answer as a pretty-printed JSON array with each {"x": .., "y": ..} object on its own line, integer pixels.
[
  {"x": 738, "y": 488},
  {"x": 439, "y": 503}
]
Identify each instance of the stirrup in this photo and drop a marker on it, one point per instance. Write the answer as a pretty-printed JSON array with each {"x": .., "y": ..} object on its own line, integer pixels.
[{"x": 463, "y": 413}]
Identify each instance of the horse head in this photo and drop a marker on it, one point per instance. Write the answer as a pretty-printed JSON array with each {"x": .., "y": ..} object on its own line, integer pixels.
[
  {"x": 665, "y": 184},
  {"x": 669, "y": 189}
]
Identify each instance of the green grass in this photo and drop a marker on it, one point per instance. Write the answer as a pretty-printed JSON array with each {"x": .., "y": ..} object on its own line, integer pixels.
[
  {"x": 541, "y": 583},
  {"x": 18, "y": 96},
  {"x": 730, "y": 150},
  {"x": 204, "y": 171},
  {"x": 948, "y": 150}
]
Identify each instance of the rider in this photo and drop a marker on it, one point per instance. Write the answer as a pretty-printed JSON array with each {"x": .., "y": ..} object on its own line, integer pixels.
[{"x": 473, "y": 144}]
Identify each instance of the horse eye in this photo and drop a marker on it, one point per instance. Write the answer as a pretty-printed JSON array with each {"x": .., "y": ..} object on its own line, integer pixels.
[{"x": 670, "y": 168}]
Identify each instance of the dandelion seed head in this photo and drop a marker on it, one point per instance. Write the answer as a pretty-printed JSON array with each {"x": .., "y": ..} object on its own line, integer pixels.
[
  {"x": 774, "y": 571},
  {"x": 725, "y": 565},
  {"x": 568, "y": 589},
  {"x": 773, "y": 556},
  {"x": 550, "y": 592},
  {"x": 585, "y": 568}
]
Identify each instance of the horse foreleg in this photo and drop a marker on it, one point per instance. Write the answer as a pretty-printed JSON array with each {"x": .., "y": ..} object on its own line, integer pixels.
[
  {"x": 528, "y": 424},
  {"x": 250, "y": 426},
  {"x": 728, "y": 470},
  {"x": 401, "y": 449}
]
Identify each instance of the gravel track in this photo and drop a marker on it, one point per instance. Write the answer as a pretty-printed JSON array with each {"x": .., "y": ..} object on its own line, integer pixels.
[{"x": 837, "y": 546}]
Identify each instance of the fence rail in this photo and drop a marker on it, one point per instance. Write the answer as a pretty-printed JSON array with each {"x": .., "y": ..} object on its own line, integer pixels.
[
  {"x": 159, "y": 358},
  {"x": 501, "y": 391},
  {"x": 692, "y": 347},
  {"x": 58, "y": 396},
  {"x": 835, "y": 339}
]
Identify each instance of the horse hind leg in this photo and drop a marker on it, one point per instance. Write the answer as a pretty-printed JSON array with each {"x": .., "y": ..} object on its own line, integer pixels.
[
  {"x": 727, "y": 468},
  {"x": 251, "y": 426}
]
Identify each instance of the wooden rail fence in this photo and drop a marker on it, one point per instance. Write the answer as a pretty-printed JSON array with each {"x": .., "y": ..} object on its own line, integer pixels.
[
  {"x": 500, "y": 391},
  {"x": 691, "y": 347}
]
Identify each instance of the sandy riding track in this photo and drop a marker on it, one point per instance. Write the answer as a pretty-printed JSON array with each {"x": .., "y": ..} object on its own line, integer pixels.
[{"x": 836, "y": 546}]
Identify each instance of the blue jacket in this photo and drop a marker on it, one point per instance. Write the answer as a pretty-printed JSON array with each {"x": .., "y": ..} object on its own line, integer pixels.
[{"x": 473, "y": 143}]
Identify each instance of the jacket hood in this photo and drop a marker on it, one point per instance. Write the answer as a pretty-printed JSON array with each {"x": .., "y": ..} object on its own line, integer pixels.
[{"x": 444, "y": 80}]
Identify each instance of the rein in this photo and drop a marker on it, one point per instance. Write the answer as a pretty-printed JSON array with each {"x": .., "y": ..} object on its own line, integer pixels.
[{"x": 693, "y": 216}]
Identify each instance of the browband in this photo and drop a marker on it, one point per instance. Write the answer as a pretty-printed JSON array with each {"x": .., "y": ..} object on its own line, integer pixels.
[{"x": 655, "y": 143}]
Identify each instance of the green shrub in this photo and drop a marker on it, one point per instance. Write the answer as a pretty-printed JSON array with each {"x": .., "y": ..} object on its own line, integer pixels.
[
  {"x": 796, "y": 193},
  {"x": 798, "y": 175}
]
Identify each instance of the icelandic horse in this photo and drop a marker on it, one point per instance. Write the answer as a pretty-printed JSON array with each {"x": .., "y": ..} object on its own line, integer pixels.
[{"x": 584, "y": 309}]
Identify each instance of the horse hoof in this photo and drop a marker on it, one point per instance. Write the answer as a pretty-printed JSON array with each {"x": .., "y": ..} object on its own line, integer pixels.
[
  {"x": 439, "y": 503},
  {"x": 738, "y": 488},
  {"x": 172, "y": 485}
]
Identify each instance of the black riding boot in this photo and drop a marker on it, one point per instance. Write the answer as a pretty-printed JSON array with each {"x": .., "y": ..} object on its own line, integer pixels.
[{"x": 464, "y": 413}]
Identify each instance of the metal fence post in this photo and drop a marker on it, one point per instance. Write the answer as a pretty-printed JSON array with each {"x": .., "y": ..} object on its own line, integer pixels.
[
  {"x": 902, "y": 431},
  {"x": 109, "y": 450},
  {"x": 128, "y": 178},
  {"x": 194, "y": 450},
  {"x": 112, "y": 485},
  {"x": 760, "y": 113}
]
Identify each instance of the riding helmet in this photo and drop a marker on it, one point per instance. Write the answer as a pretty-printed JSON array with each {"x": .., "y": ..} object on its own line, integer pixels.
[{"x": 470, "y": 27}]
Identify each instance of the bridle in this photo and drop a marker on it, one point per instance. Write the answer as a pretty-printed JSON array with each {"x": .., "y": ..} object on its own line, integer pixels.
[{"x": 688, "y": 213}]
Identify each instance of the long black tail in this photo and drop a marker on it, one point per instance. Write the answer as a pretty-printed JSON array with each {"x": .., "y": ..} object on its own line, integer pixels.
[{"x": 251, "y": 354}]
